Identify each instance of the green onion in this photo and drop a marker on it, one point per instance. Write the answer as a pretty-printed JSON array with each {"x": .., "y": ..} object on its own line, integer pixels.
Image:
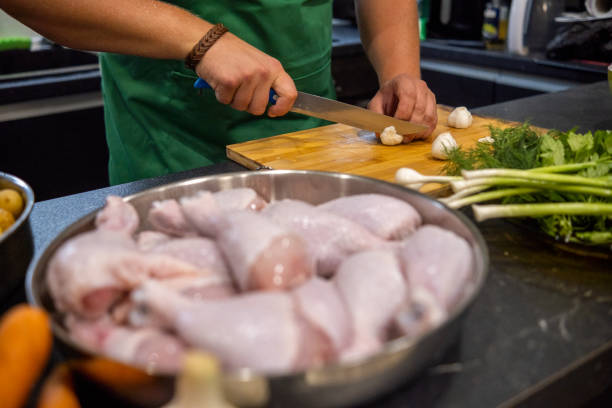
[
  {"x": 522, "y": 174},
  {"x": 485, "y": 212}
]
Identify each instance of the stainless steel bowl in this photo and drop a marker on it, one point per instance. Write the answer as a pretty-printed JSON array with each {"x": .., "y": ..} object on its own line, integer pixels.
[
  {"x": 16, "y": 245},
  {"x": 331, "y": 385}
]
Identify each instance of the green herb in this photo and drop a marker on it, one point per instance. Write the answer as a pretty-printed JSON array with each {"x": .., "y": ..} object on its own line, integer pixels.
[
  {"x": 562, "y": 179},
  {"x": 513, "y": 148}
]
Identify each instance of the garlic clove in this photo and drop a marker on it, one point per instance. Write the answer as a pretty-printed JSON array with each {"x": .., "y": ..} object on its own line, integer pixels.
[
  {"x": 460, "y": 118},
  {"x": 390, "y": 137},
  {"x": 443, "y": 143},
  {"x": 486, "y": 139}
]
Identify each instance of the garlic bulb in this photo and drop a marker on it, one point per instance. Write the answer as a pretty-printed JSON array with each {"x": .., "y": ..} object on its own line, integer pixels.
[
  {"x": 443, "y": 143},
  {"x": 390, "y": 137},
  {"x": 460, "y": 118}
]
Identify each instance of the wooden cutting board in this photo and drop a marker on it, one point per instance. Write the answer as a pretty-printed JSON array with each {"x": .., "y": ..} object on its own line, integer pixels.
[{"x": 345, "y": 149}]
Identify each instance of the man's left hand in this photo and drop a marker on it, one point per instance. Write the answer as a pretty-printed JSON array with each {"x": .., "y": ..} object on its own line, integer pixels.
[{"x": 408, "y": 98}]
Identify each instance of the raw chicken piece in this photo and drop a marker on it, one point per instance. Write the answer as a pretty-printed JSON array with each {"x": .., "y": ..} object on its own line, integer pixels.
[
  {"x": 373, "y": 288},
  {"x": 117, "y": 215},
  {"x": 320, "y": 303},
  {"x": 330, "y": 238},
  {"x": 167, "y": 216},
  {"x": 261, "y": 254},
  {"x": 239, "y": 199},
  {"x": 259, "y": 330},
  {"x": 147, "y": 348},
  {"x": 203, "y": 212},
  {"x": 201, "y": 287},
  {"x": 204, "y": 208},
  {"x": 91, "y": 271},
  {"x": 386, "y": 216},
  {"x": 200, "y": 252},
  {"x": 148, "y": 239},
  {"x": 213, "y": 280},
  {"x": 439, "y": 261},
  {"x": 420, "y": 314}
]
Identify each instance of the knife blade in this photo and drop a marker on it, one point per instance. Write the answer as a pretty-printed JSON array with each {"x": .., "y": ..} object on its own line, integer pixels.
[{"x": 335, "y": 111}]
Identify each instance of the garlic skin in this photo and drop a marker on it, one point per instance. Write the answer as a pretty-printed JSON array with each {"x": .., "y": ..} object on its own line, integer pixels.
[
  {"x": 406, "y": 176},
  {"x": 390, "y": 137},
  {"x": 486, "y": 139},
  {"x": 444, "y": 141},
  {"x": 460, "y": 118}
]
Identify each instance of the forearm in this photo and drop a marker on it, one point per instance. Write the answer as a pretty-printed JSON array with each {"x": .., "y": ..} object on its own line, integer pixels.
[
  {"x": 147, "y": 28},
  {"x": 389, "y": 33}
]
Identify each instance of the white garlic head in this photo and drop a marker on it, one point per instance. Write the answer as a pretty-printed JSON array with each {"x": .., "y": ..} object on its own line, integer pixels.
[
  {"x": 460, "y": 118},
  {"x": 390, "y": 137},
  {"x": 443, "y": 143}
]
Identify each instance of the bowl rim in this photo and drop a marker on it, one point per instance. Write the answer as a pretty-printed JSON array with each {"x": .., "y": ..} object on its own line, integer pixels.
[
  {"x": 389, "y": 348},
  {"x": 26, "y": 190}
]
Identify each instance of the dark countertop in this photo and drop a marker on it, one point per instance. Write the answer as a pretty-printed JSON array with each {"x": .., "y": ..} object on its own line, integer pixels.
[
  {"x": 346, "y": 42},
  {"x": 539, "y": 334}
]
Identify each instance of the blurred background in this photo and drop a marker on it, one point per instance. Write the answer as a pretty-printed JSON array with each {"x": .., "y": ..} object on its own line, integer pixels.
[{"x": 473, "y": 53}]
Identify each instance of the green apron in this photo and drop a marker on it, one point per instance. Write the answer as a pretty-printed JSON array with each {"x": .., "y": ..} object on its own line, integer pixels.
[{"x": 157, "y": 123}]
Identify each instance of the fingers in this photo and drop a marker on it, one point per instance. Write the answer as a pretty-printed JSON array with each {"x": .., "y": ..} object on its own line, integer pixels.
[
  {"x": 242, "y": 77},
  {"x": 408, "y": 98},
  {"x": 287, "y": 93},
  {"x": 243, "y": 96},
  {"x": 431, "y": 114}
]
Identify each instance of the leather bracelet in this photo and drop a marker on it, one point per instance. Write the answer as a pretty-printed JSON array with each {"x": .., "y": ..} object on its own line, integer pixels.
[{"x": 197, "y": 52}]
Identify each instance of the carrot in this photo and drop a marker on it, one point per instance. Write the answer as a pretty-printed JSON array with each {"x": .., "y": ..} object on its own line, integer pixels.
[
  {"x": 111, "y": 373},
  {"x": 58, "y": 390},
  {"x": 25, "y": 345}
]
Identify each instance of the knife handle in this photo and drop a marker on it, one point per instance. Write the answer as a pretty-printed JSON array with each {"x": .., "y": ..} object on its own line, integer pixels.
[{"x": 202, "y": 84}]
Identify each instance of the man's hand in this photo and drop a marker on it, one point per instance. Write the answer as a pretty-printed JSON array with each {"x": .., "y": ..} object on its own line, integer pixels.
[
  {"x": 390, "y": 36},
  {"x": 408, "y": 98},
  {"x": 242, "y": 76}
]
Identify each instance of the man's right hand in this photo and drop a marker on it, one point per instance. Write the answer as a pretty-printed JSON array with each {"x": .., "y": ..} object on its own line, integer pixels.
[{"x": 242, "y": 76}]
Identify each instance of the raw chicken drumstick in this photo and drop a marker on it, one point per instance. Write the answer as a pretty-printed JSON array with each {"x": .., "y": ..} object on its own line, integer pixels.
[
  {"x": 167, "y": 216},
  {"x": 330, "y": 238},
  {"x": 261, "y": 254},
  {"x": 438, "y": 261},
  {"x": 117, "y": 215},
  {"x": 320, "y": 303},
  {"x": 204, "y": 209},
  {"x": 373, "y": 288},
  {"x": 259, "y": 330},
  {"x": 91, "y": 271},
  {"x": 147, "y": 348},
  {"x": 385, "y": 216}
]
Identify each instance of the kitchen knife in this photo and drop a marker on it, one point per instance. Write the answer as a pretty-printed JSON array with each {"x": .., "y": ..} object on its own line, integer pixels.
[{"x": 334, "y": 111}]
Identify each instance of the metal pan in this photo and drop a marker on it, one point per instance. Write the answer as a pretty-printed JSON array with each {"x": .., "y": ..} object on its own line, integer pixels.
[{"x": 338, "y": 384}]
